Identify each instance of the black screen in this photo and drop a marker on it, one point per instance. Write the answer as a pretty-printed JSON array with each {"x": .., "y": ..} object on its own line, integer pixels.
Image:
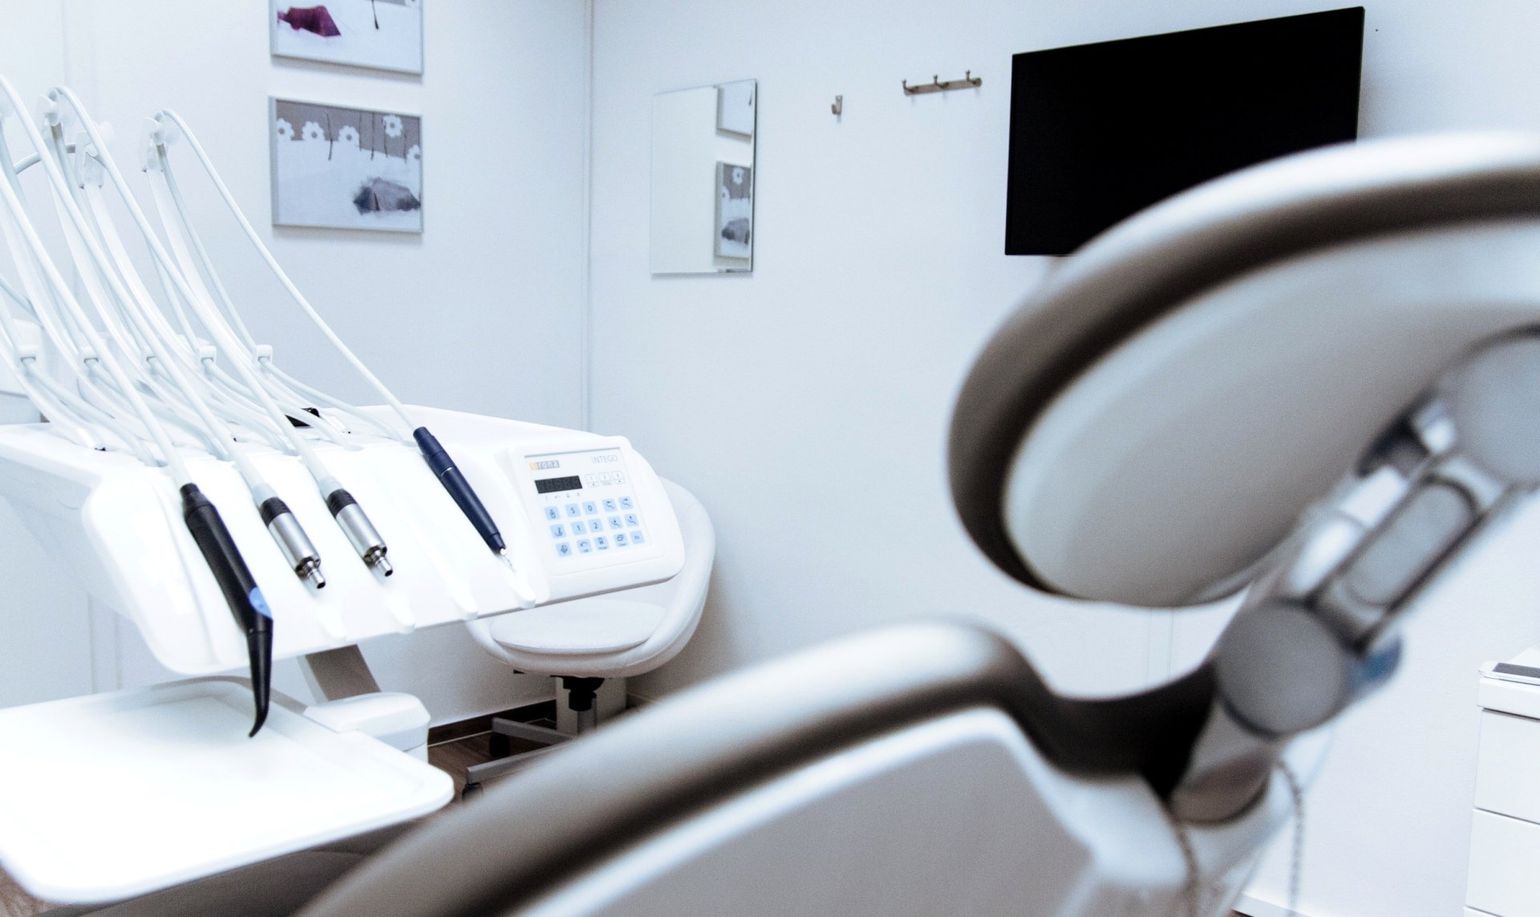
[
  {"x": 1101, "y": 131},
  {"x": 552, "y": 485}
]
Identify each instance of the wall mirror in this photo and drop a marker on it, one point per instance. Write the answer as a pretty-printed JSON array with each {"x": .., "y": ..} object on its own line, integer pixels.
[{"x": 703, "y": 179}]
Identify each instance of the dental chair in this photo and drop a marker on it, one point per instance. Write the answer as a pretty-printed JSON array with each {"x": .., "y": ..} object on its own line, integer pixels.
[
  {"x": 584, "y": 642},
  {"x": 1317, "y": 381}
]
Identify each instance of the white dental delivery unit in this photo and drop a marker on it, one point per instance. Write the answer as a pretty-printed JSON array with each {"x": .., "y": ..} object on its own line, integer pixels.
[
  {"x": 218, "y": 503},
  {"x": 177, "y": 756},
  {"x": 118, "y": 523}
]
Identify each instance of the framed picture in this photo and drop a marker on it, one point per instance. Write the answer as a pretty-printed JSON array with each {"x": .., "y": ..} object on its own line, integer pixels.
[
  {"x": 382, "y": 34},
  {"x": 345, "y": 168},
  {"x": 735, "y": 211},
  {"x": 735, "y": 107}
]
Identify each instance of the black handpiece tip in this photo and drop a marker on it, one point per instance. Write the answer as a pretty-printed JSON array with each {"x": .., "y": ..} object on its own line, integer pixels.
[
  {"x": 261, "y": 718},
  {"x": 259, "y": 646}
]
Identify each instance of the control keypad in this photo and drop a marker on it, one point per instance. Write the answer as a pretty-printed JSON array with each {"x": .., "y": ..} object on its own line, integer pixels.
[{"x": 582, "y": 524}]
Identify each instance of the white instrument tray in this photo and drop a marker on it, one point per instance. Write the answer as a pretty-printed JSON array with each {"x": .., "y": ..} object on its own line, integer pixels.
[{"x": 115, "y": 795}]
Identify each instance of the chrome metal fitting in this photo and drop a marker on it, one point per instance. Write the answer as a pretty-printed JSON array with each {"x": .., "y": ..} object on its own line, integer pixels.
[
  {"x": 295, "y": 546},
  {"x": 361, "y": 533}
]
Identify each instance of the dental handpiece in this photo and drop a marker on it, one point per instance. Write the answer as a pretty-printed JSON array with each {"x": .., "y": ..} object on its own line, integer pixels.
[
  {"x": 361, "y": 533},
  {"x": 240, "y": 590},
  {"x": 293, "y": 543},
  {"x": 449, "y": 474}
]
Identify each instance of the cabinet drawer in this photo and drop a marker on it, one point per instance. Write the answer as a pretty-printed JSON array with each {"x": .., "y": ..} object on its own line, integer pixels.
[
  {"x": 1504, "y": 857},
  {"x": 1508, "y": 765}
]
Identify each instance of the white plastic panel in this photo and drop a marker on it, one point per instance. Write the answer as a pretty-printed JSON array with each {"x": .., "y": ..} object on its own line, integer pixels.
[
  {"x": 1507, "y": 780},
  {"x": 116, "y": 795},
  {"x": 119, "y": 524},
  {"x": 1511, "y": 696},
  {"x": 1503, "y": 854}
]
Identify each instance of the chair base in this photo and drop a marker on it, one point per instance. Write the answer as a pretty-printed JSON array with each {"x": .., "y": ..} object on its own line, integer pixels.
[
  {"x": 505, "y": 764},
  {"x": 581, "y": 696}
]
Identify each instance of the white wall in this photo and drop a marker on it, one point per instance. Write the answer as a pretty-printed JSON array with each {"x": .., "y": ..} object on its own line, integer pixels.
[
  {"x": 482, "y": 312},
  {"x": 806, "y": 405}
]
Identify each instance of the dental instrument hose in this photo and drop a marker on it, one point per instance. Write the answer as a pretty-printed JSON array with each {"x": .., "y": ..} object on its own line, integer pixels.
[
  {"x": 202, "y": 518},
  {"x": 349, "y": 516},
  {"x": 433, "y": 452},
  {"x": 293, "y": 543}
]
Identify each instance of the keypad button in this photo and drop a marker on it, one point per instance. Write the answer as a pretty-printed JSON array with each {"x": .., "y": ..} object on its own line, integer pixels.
[
  {"x": 573, "y": 510},
  {"x": 627, "y": 503},
  {"x": 558, "y": 531},
  {"x": 579, "y": 527},
  {"x": 552, "y": 513},
  {"x": 585, "y": 546},
  {"x": 620, "y": 539},
  {"x": 564, "y": 549},
  {"x": 615, "y": 522},
  {"x": 609, "y": 505},
  {"x": 632, "y": 521},
  {"x": 602, "y": 543},
  {"x": 636, "y": 537},
  {"x": 590, "y": 508}
]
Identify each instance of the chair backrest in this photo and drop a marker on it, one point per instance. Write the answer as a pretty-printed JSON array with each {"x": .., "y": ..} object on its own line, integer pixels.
[
  {"x": 681, "y": 600},
  {"x": 920, "y": 769}
]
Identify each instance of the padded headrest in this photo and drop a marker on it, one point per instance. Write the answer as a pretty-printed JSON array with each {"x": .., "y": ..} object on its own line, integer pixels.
[{"x": 1149, "y": 426}]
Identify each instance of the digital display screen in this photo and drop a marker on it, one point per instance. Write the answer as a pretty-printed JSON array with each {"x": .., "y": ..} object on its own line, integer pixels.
[
  {"x": 1100, "y": 131},
  {"x": 555, "y": 485}
]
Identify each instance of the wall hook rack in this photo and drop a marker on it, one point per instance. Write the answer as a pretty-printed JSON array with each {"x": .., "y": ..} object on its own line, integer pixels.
[{"x": 969, "y": 81}]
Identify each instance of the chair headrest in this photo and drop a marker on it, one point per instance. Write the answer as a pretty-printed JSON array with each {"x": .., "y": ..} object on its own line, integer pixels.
[{"x": 1148, "y": 427}]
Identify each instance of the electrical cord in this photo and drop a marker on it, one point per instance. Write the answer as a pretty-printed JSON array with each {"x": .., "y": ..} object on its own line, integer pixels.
[
  {"x": 1297, "y": 851},
  {"x": 1193, "y": 892}
]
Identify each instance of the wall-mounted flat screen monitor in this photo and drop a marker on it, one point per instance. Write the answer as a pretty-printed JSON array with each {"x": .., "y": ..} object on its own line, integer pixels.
[{"x": 1101, "y": 131}]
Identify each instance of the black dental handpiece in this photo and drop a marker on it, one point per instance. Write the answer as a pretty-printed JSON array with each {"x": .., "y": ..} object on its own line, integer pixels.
[
  {"x": 240, "y": 590},
  {"x": 449, "y": 475}
]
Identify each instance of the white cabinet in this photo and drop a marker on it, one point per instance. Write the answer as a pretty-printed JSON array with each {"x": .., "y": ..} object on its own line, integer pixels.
[{"x": 1505, "y": 829}]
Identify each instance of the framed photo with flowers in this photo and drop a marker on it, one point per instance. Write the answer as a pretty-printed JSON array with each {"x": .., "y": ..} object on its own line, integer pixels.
[
  {"x": 380, "y": 34},
  {"x": 345, "y": 168},
  {"x": 735, "y": 211}
]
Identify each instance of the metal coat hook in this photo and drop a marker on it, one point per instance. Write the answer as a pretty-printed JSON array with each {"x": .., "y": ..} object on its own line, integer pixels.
[
  {"x": 969, "y": 81},
  {"x": 838, "y": 108}
]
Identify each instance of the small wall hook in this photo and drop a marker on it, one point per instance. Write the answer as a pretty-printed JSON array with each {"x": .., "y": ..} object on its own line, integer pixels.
[{"x": 838, "y": 108}]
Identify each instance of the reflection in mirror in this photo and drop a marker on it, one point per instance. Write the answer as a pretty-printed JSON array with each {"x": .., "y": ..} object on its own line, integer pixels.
[{"x": 703, "y": 179}]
